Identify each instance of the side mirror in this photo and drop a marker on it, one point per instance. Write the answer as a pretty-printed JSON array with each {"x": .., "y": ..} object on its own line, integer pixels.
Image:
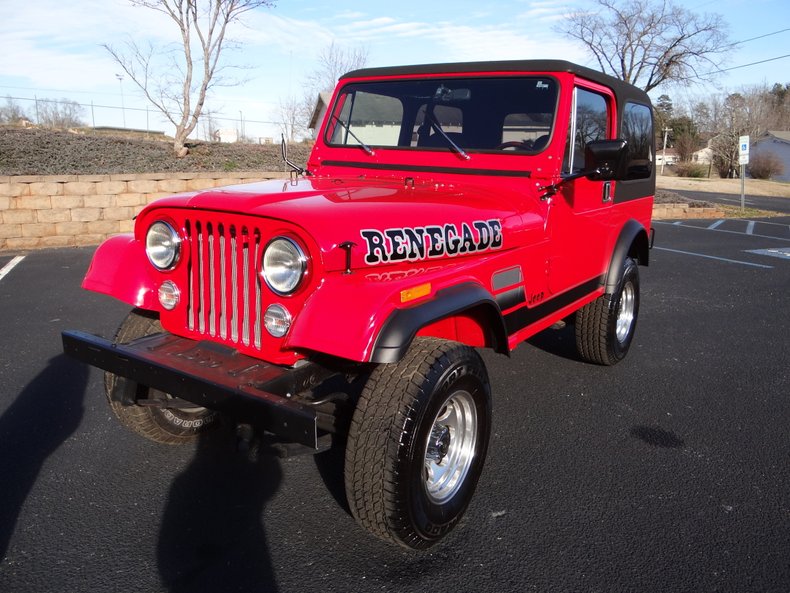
[{"x": 606, "y": 160}]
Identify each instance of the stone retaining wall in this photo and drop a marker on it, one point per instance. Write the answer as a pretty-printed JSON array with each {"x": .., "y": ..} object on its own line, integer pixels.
[{"x": 63, "y": 211}]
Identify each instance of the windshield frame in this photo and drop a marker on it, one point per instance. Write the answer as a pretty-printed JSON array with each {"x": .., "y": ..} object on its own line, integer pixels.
[{"x": 473, "y": 95}]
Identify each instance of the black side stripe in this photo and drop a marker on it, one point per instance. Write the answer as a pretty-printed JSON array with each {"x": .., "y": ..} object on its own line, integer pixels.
[
  {"x": 511, "y": 298},
  {"x": 525, "y": 316}
]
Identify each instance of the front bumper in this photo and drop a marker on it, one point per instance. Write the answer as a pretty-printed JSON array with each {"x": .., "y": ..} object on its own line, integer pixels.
[{"x": 211, "y": 376}]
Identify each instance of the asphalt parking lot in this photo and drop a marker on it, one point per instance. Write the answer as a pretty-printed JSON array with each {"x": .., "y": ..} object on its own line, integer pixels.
[{"x": 668, "y": 472}]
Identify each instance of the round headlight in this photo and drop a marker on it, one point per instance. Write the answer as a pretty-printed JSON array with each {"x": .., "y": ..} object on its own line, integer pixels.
[
  {"x": 163, "y": 245},
  {"x": 284, "y": 265}
]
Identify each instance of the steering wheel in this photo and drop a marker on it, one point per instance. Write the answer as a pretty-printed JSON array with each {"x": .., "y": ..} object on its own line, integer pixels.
[{"x": 517, "y": 144}]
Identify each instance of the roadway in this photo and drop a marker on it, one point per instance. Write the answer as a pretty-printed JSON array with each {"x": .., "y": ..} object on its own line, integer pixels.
[
  {"x": 667, "y": 472},
  {"x": 768, "y": 203}
]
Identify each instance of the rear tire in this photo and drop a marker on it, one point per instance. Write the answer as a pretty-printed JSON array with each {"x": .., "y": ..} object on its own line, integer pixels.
[
  {"x": 417, "y": 443},
  {"x": 605, "y": 327},
  {"x": 161, "y": 425}
]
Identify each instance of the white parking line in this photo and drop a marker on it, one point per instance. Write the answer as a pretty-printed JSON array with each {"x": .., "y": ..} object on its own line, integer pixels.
[
  {"x": 724, "y": 259},
  {"x": 681, "y": 224},
  {"x": 750, "y": 228},
  {"x": 761, "y": 222},
  {"x": 10, "y": 266},
  {"x": 716, "y": 225}
]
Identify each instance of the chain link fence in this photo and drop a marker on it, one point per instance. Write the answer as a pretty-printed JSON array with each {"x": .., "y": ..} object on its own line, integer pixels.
[{"x": 147, "y": 121}]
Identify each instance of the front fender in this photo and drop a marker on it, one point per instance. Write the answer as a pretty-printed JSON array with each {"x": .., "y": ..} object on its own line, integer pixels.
[
  {"x": 366, "y": 322},
  {"x": 402, "y": 325},
  {"x": 120, "y": 268}
]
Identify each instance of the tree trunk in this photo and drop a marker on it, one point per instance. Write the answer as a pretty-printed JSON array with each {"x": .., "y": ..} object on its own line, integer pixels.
[{"x": 179, "y": 147}]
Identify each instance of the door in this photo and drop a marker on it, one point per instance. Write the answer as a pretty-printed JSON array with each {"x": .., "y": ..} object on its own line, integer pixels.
[{"x": 581, "y": 211}]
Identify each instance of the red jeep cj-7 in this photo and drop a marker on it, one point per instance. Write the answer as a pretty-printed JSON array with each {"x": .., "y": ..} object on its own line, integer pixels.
[{"x": 443, "y": 208}]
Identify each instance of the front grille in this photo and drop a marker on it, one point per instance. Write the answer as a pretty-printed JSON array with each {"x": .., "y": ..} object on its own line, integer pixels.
[{"x": 224, "y": 286}]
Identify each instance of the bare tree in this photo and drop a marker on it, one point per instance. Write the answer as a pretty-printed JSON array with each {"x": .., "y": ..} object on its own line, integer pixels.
[
  {"x": 292, "y": 115},
  {"x": 331, "y": 64},
  {"x": 649, "y": 42},
  {"x": 732, "y": 123},
  {"x": 210, "y": 126},
  {"x": 11, "y": 113},
  {"x": 60, "y": 114},
  {"x": 179, "y": 91}
]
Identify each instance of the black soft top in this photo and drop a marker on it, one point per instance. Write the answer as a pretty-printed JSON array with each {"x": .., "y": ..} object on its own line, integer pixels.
[{"x": 622, "y": 90}]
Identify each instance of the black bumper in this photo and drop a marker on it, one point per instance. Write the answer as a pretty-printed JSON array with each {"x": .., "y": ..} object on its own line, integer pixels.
[{"x": 211, "y": 376}]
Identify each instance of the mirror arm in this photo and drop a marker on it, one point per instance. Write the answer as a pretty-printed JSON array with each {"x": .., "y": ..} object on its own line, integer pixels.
[{"x": 551, "y": 189}]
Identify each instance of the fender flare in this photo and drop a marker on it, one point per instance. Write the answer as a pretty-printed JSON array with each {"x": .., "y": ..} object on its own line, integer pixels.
[
  {"x": 633, "y": 242},
  {"x": 402, "y": 325}
]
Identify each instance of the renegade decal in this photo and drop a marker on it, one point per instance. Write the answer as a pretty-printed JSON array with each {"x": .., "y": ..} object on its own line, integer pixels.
[{"x": 432, "y": 241}]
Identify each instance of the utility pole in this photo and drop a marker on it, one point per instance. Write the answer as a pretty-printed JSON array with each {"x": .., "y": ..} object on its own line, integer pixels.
[
  {"x": 664, "y": 150},
  {"x": 123, "y": 107}
]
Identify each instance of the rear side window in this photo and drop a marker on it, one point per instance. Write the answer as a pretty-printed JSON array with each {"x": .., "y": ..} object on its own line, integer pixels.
[{"x": 637, "y": 131}]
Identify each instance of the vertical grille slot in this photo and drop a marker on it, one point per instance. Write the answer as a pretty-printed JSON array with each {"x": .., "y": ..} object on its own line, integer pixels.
[{"x": 224, "y": 288}]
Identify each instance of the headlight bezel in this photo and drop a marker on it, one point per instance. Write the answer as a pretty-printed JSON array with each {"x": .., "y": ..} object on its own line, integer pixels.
[
  {"x": 174, "y": 247},
  {"x": 299, "y": 267}
]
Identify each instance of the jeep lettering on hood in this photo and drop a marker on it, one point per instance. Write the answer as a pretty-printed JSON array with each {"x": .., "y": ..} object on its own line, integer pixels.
[{"x": 432, "y": 241}]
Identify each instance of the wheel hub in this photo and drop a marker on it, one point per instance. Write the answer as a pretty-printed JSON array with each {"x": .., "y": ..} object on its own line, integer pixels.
[
  {"x": 625, "y": 312},
  {"x": 450, "y": 447},
  {"x": 438, "y": 444}
]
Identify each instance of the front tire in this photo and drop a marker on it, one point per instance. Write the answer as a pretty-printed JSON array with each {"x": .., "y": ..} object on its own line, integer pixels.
[
  {"x": 417, "y": 443},
  {"x": 170, "y": 426},
  {"x": 605, "y": 327}
]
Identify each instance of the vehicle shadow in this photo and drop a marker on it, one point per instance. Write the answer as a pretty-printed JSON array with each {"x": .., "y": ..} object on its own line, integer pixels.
[
  {"x": 212, "y": 537},
  {"x": 330, "y": 465},
  {"x": 46, "y": 413},
  {"x": 560, "y": 342}
]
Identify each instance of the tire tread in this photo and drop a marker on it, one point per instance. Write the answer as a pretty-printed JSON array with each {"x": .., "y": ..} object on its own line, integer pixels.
[{"x": 386, "y": 405}]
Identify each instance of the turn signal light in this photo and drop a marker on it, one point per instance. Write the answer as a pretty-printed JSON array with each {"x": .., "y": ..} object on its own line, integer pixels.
[{"x": 416, "y": 292}]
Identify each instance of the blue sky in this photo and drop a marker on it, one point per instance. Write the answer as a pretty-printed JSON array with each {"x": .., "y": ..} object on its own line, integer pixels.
[{"x": 52, "y": 49}]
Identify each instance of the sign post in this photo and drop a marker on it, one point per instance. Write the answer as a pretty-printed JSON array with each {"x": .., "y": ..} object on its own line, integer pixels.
[{"x": 743, "y": 160}]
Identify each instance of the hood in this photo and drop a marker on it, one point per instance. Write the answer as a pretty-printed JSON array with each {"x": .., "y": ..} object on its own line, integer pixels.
[{"x": 388, "y": 222}]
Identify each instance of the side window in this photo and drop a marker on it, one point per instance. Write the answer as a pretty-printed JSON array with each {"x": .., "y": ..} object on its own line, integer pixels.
[
  {"x": 637, "y": 131},
  {"x": 589, "y": 121}
]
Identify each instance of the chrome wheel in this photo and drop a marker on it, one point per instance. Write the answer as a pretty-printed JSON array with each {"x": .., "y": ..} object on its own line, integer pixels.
[
  {"x": 450, "y": 447},
  {"x": 625, "y": 312}
]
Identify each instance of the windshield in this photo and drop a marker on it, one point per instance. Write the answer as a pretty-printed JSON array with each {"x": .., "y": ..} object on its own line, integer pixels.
[{"x": 456, "y": 114}]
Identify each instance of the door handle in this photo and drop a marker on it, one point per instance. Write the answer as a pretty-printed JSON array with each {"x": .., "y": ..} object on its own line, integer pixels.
[{"x": 607, "y": 192}]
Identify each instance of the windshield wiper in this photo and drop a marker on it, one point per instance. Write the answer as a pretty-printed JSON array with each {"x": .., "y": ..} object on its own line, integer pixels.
[
  {"x": 435, "y": 125},
  {"x": 294, "y": 167},
  {"x": 362, "y": 145}
]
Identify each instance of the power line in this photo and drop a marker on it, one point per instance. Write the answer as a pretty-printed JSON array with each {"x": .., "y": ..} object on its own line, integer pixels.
[
  {"x": 750, "y": 64},
  {"x": 758, "y": 37},
  {"x": 23, "y": 88}
]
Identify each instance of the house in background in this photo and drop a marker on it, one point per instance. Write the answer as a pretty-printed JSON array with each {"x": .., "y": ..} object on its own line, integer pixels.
[
  {"x": 703, "y": 156},
  {"x": 317, "y": 117},
  {"x": 778, "y": 143},
  {"x": 667, "y": 156}
]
